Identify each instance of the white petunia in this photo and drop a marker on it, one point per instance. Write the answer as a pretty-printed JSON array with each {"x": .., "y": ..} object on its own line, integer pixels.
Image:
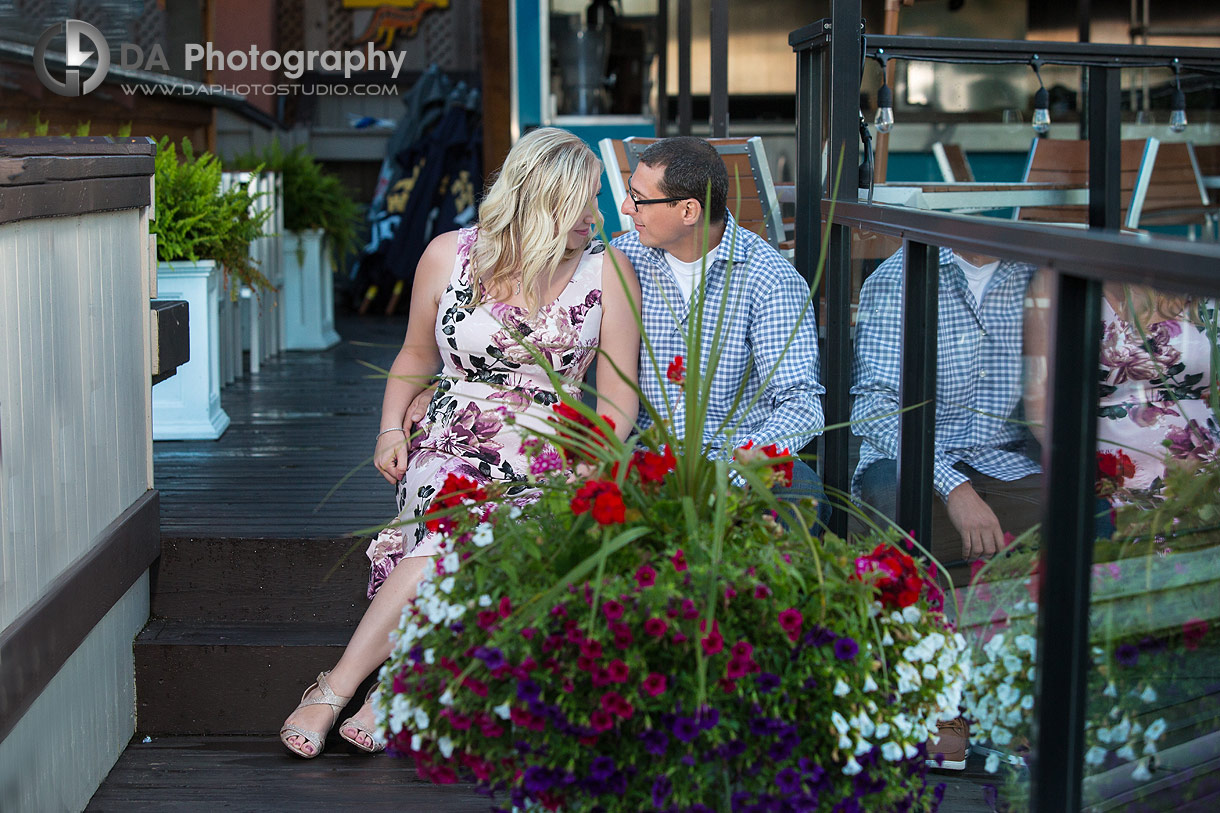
[
  {"x": 1148, "y": 695},
  {"x": 446, "y": 585},
  {"x": 1095, "y": 756},
  {"x": 870, "y": 685},
  {"x": 844, "y": 742},
  {"x": 1141, "y": 772},
  {"x": 993, "y": 762},
  {"x": 1027, "y": 702},
  {"x": 841, "y": 688},
  {"x": 1126, "y": 752},
  {"x": 839, "y": 722},
  {"x": 484, "y": 600},
  {"x": 1150, "y": 748},
  {"x": 1001, "y": 736},
  {"x": 852, "y": 767},
  {"x": 445, "y": 745},
  {"x": 446, "y": 699},
  {"x": 887, "y": 639},
  {"x": 455, "y": 611},
  {"x": 863, "y": 747},
  {"x": 911, "y": 614},
  {"x": 417, "y": 742},
  {"x": 502, "y": 711},
  {"x": 882, "y": 731},
  {"x": 929, "y": 672},
  {"x": 1012, "y": 663},
  {"x": 1027, "y": 643},
  {"x": 400, "y": 710},
  {"x": 1104, "y": 735},
  {"x": 483, "y": 535},
  {"x": 891, "y": 751},
  {"x": 909, "y": 751},
  {"x": 429, "y": 656},
  {"x": 450, "y": 563},
  {"x": 514, "y": 512},
  {"x": 1155, "y": 730},
  {"x": 421, "y": 720}
]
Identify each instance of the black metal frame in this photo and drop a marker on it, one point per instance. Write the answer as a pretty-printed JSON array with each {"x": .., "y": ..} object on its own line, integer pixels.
[{"x": 829, "y": 55}]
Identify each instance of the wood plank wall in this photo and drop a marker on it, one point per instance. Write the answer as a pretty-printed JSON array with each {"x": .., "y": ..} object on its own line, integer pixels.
[{"x": 74, "y": 343}]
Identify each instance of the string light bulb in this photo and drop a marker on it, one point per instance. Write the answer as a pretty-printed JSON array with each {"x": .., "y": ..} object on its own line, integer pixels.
[
  {"x": 1041, "y": 121},
  {"x": 1177, "y": 110},
  {"x": 885, "y": 103}
]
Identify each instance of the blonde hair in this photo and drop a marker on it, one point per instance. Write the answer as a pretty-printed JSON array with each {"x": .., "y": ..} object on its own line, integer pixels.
[
  {"x": 538, "y": 196},
  {"x": 1151, "y": 306}
]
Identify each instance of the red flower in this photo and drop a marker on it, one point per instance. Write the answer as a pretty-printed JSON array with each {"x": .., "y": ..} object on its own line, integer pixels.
[
  {"x": 612, "y": 610},
  {"x": 656, "y": 627},
  {"x": 601, "y": 720},
  {"x": 714, "y": 641},
  {"x": 653, "y": 466},
  {"x": 790, "y": 620},
  {"x": 618, "y": 671},
  {"x": 782, "y": 471},
  {"x": 645, "y": 576},
  {"x": 577, "y": 433},
  {"x": 678, "y": 560},
  {"x": 1112, "y": 469},
  {"x": 654, "y": 684},
  {"x": 487, "y": 618},
  {"x": 677, "y": 371},
  {"x": 454, "y": 492},
  {"x": 894, "y": 573},
  {"x": 603, "y": 499},
  {"x": 1193, "y": 632}
]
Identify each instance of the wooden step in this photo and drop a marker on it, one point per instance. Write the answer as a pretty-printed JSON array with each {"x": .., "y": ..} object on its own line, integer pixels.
[
  {"x": 244, "y": 773},
  {"x": 266, "y": 580},
  {"x": 220, "y": 679}
]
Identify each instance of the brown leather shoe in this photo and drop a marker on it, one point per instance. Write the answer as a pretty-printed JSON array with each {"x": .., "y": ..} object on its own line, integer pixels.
[{"x": 948, "y": 750}]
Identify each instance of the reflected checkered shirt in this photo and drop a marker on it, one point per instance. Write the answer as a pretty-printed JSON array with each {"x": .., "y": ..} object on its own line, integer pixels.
[
  {"x": 765, "y": 300},
  {"x": 978, "y": 373}
]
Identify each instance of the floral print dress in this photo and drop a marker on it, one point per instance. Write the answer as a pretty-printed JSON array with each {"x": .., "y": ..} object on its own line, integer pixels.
[
  {"x": 488, "y": 376},
  {"x": 1154, "y": 395}
]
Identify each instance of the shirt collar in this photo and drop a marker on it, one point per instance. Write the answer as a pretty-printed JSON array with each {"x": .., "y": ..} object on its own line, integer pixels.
[{"x": 733, "y": 236}]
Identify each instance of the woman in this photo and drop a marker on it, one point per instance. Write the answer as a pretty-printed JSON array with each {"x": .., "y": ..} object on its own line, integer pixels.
[
  {"x": 1157, "y": 368},
  {"x": 530, "y": 272}
]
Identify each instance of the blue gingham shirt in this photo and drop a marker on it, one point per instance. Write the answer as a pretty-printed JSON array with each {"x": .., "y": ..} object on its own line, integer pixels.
[
  {"x": 766, "y": 297},
  {"x": 978, "y": 373}
]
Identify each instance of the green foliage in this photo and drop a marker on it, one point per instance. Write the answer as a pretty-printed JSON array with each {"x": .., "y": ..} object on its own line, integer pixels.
[
  {"x": 198, "y": 220},
  {"x": 313, "y": 199}
]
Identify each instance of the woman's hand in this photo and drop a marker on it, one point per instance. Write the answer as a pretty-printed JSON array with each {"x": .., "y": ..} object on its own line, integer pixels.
[{"x": 390, "y": 458}]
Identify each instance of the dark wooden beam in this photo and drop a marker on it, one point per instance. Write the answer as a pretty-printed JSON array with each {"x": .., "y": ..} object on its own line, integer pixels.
[{"x": 39, "y": 642}]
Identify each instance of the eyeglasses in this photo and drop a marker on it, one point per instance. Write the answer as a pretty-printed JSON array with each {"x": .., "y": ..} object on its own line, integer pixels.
[{"x": 637, "y": 202}]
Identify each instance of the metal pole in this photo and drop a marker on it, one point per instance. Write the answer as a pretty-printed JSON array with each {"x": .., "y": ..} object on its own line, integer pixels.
[
  {"x": 810, "y": 78},
  {"x": 844, "y": 156},
  {"x": 917, "y": 426},
  {"x": 1105, "y": 152},
  {"x": 720, "y": 69},
  {"x": 684, "y": 105},
  {"x": 662, "y": 111}
]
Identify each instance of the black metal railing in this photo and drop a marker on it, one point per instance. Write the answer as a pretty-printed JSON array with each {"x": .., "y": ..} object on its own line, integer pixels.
[{"x": 829, "y": 58}]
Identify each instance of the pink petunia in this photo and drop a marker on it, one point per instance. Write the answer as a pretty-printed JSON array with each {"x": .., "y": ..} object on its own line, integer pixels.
[
  {"x": 654, "y": 684},
  {"x": 618, "y": 671},
  {"x": 1193, "y": 632},
  {"x": 612, "y": 610},
  {"x": 790, "y": 620},
  {"x": 714, "y": 641},
  {"x": 678, "y": 560},
  {"x": 656, "y": 627},
  {"x": 645, "y": 576}
]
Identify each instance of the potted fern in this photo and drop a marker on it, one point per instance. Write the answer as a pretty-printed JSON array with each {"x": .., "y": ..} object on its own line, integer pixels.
[
  {"x": 203, "y": 235},
  {"x": 320, "y": 220}
]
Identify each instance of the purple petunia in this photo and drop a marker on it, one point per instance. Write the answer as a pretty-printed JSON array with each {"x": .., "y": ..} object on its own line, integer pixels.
[
  {"x": 767, "y": 682},
  {"x": 491, "y": 656},
  {"x": 1127, "y": 654},
  {"x": 662, "y": 786},
  {"x": 819, "y": 636},
  {"x": 601, "y": 768},
  {"x": 708, "y": 718},
  {"x": 685, "y": 729},
  {"x": 789, "y": 781},
  {"x": 655, "y": 741},
  {"x": 528, "y": 690},
  {"x": 846, "y": 648}
]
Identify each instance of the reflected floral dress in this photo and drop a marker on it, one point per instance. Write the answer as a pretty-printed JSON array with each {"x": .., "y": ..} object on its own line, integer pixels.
[
  {"x": 1154, "y": 395},
  {"x": 487, "y": 375}
]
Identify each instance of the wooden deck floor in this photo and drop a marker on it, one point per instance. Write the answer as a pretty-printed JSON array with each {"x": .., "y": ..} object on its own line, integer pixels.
[
  {"x": 256, "y": 774},
  {"x": 299, "y": 427}
]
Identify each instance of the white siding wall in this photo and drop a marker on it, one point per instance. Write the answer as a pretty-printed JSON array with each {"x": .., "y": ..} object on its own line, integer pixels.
[
  {"x": 54, "y": 759},
  {"x": 75, "y": 432}
]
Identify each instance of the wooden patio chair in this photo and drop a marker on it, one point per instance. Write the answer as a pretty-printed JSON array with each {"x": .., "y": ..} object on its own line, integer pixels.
[
  {"x": 1176, "y": 192},
  {"x": 952, "y": 161},
  {"x": 1067, "y": 161},
  {"x": 749, "y": 175}
]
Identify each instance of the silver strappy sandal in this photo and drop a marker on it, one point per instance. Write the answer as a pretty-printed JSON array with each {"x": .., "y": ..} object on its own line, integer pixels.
[
  {"x": 352, "y": 722},
  {"x": 317, "y": 740}
]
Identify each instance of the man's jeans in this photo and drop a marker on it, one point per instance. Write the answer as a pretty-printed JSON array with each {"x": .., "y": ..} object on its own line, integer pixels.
[{"x": 805, "y": 483}]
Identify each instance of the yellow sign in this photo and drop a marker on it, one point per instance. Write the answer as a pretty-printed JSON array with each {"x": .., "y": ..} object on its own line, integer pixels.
[{"x": 390, "y": 20}]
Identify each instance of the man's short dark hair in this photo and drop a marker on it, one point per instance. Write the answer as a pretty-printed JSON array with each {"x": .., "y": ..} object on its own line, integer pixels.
[{"x": 690, "y": 164}]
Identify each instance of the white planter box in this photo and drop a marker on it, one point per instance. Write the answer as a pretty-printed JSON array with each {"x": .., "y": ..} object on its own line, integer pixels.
[
  {"x": 186, "y": 406},
  {"x": 307, "y": 295}
]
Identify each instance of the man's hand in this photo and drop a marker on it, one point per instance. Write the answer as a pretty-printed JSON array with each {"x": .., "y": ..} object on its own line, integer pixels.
[
  {"x": 982, "y": 536},
  {"x": 419, "y": 406}
]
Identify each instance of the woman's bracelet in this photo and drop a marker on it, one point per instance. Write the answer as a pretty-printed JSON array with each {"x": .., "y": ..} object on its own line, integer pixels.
[{"x": 392, "y": 429}]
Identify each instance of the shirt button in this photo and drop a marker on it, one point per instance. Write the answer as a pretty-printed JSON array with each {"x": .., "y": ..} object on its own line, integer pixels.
[{"x": 982, "y": 374}]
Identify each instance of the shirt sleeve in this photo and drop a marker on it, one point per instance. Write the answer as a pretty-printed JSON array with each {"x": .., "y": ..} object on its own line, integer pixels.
[
  {"x": 877, "y": 365},
  {"x": 793, "y": 390}
]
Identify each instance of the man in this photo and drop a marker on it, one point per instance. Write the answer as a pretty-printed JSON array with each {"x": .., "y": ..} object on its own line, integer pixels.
[
  {"x": 982, "y": 471},
  {"x": 766, "y": 302}
]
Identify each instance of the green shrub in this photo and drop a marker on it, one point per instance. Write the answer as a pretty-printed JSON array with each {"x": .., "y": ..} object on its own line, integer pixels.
[
  {"x": 197, "y": 220},
  {"x": 313, "y": 199}
]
